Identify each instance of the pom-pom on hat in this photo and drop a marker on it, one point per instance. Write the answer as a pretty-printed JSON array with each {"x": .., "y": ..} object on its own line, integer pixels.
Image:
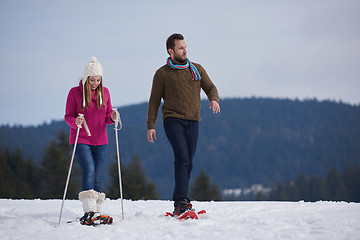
[{"x": 93, "y": 68}]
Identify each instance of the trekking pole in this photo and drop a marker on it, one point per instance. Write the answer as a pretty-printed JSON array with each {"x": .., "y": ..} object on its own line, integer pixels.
[
  {"x": 86, "y": 126},
  {"x": 70, "y": 167},
  {"x": 118, "y": 121}
]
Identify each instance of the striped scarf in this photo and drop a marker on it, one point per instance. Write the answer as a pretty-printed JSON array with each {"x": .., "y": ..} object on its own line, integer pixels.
[{"x": 195, "y": 73}]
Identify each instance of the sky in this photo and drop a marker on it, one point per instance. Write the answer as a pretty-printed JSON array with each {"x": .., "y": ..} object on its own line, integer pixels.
[{"x": 278, "y": 49}]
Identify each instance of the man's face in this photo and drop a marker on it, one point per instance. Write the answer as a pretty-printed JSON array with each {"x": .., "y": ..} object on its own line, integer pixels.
[{"x": 179, "y": 54}]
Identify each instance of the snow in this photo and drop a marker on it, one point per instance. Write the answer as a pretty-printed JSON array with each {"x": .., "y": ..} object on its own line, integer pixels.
[{"x": 36, "y": 219}]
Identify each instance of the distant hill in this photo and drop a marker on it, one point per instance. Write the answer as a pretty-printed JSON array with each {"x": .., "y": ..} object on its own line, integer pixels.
[{"x": 252, "y": 140}]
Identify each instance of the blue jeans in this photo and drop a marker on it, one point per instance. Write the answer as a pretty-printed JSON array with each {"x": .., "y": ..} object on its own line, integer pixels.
[
  {"x": 91, "y": 160},
  {"x": 182, "y": 135}
]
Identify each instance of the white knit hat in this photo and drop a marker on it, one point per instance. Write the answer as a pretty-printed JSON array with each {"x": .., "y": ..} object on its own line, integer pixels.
[{"x": 93, "y": 68}]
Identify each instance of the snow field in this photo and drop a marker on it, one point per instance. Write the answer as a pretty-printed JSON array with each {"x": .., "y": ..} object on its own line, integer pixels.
[{"x": 36, "y": 219}]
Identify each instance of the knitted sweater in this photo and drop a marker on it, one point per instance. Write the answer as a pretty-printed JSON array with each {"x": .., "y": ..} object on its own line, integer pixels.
[
  {"x": 180, "y": 93},
  {"x": 96, "y": 119}
]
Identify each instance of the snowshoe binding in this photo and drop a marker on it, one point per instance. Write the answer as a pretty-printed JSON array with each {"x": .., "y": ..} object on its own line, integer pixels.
[
  {"x": 182, "y": 206},
  {"x": 184, "y": 210}
]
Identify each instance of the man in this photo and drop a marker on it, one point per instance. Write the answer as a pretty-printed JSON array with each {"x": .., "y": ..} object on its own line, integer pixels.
[{"x": 179, "y": 83}]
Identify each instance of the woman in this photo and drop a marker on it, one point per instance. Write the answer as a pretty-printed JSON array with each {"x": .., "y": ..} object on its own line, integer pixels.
[{"x": 92, "y": 100}]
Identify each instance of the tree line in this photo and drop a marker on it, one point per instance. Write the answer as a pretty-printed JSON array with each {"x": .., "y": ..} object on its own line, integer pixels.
[
  {"x": 252, "y": 140},
  {"x": 22, "y": 179},
  {"x": 335, "y": 187}
]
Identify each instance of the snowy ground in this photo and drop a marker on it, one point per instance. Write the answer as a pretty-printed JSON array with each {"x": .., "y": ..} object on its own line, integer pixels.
[{"x": 36, "y": 219}]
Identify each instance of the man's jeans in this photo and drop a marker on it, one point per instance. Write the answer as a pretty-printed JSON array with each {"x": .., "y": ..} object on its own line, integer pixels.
[
  {"x": 91, "y": 160},
  {"x": 182, "y": 135}
]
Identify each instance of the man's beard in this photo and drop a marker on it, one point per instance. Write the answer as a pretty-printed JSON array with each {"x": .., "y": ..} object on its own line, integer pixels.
[{"x": 179, "y": 59}]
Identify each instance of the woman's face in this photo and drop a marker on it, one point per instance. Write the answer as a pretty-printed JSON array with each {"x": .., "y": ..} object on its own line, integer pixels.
[{"x": 94, "y": 82}]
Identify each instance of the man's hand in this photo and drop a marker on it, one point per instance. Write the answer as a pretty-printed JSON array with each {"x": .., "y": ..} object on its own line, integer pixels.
[
  {"x": 215, "y": 106},
  {"x": 151, "y": 135}
]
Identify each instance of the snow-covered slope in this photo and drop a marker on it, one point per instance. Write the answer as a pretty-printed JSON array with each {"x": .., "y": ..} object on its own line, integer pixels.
[{"x": 36, "y": 219}]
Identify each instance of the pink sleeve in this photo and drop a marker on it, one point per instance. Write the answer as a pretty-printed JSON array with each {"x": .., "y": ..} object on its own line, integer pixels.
[
  {"x": 108, "y": 107},
  {"x": 70, "y": 110}
]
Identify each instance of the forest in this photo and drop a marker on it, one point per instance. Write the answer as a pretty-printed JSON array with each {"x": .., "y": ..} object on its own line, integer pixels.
[
  {"x": 252, "y": 141},
  {"x": 335, "y": 186},
  {"x": 22, "y": 179}
]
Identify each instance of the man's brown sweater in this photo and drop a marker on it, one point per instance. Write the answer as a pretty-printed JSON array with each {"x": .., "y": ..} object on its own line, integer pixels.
[{"x": 180, "y": 93}]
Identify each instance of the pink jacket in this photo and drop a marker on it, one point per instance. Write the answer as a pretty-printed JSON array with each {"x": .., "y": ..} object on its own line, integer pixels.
[{"x": 96, "y": 119}]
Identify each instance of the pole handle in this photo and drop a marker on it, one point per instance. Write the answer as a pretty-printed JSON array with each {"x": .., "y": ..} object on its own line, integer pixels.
[
  {"x": 118, "y": 119},
  {"x": 85, "y": 125}
]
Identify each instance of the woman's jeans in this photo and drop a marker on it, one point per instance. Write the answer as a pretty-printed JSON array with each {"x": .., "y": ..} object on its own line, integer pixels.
[
  {"x": 91, "y": 159},
  {"x": 182, "y": 135}
]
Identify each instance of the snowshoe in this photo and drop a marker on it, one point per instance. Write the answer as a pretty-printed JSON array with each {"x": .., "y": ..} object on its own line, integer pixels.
[
  {"x": 93, "y": 218},
  {"x": 184, "y": 210},
  {"x": 186, "y": 215}
]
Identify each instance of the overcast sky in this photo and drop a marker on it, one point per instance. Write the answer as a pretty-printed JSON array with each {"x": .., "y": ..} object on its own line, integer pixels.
[{"x": 280, "y": 49}]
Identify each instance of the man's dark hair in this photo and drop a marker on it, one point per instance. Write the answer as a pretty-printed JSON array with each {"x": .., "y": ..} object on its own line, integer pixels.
[{"x": 170, "y": 42}]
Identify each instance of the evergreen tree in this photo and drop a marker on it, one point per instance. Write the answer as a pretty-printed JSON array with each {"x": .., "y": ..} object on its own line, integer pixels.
[
  {"x": 113, "y": 190},
  {"x": 290, "y": 191},
  {"x": 302, "y": 186},
  {"x": 336, "y": 186},
  {"x": 18, "y": 178},
  {"x": 203, "y": 189},
  {"x": 32, "y": 179},
  {"x": 55, "y": 166},
  {"x": 352, "y": 181},
  {"x": 6, "y": 176},
  {"x": 134, "y": 181},
  {"x": 318, "y": 189},
  {"x": 278, "y": 193}
]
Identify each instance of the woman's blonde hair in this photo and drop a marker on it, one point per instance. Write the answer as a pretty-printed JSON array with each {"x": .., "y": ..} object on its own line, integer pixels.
[{"x": 99, "y": 93}]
